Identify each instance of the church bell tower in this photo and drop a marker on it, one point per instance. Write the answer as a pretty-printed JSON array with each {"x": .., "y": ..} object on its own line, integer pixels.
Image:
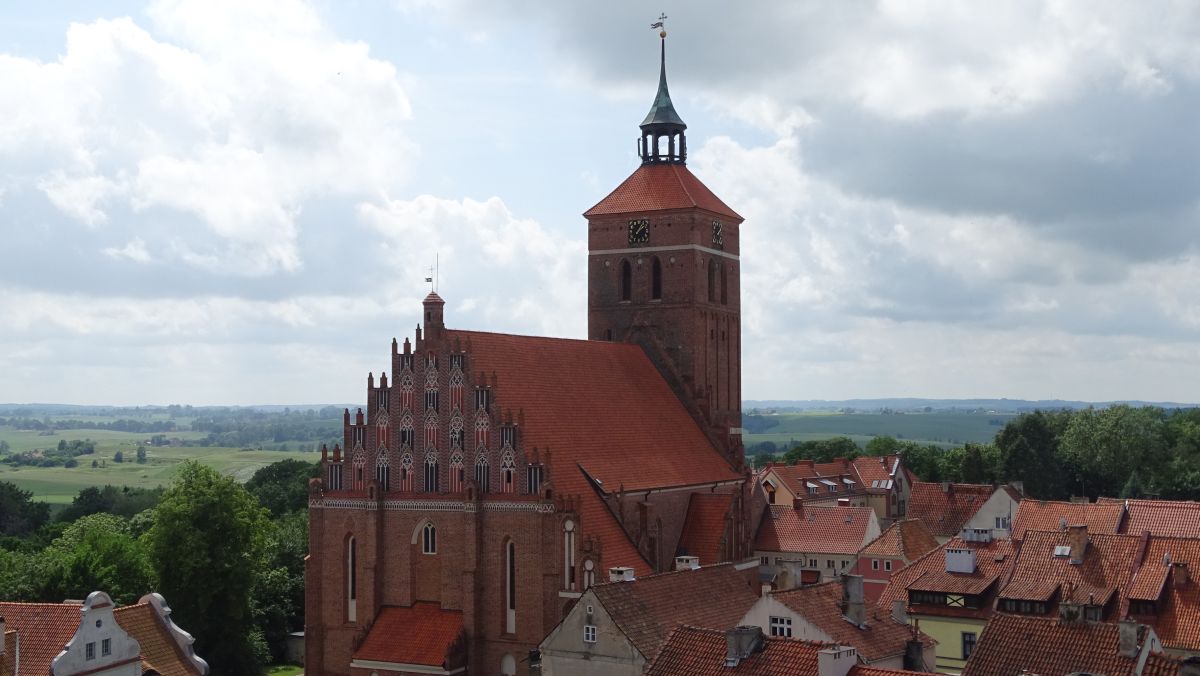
[{"x": 664, "y": 273}]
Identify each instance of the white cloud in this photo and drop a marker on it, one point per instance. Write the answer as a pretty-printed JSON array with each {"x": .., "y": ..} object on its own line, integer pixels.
[{"x": 134, "y": 250}]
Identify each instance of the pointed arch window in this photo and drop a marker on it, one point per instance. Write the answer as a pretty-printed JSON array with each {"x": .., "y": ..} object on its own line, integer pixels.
[
  {"x": 458, "y": 475},
  {"x": 383, "y": 471},
  {"x": 429, "y": 539},
  {"x": 510, "y": 587},
  {"x": 508, "y": 474},
  {"x": 483, "y": 473},
  {"x": 431, "y": 473},
  {"x": 335, "y": 476},
  {"x": 456, "y": 433},
  {"x": 406, "y": 392},
  {"x": 406, "y": 472},
  {"x": 456, "y": 391},
  {"x": 656, "y": 280},
  {"x": 351, "y": 580},
  {"x": 431, "y": 432},
  {"x": 481, "y": 432},
  {"x": 383, "y": 433},
  {"x": 569, "y": 555},
  {"x": 360, "y": 465},
  {"x": 626, "y": 281},
  {"x": 724, "y": 286},
  {"x": 406, "y": 431},
  {"x": 712, "y": 280}
]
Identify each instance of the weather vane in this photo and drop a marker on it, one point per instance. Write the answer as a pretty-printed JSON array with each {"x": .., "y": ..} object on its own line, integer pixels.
[
  {"x": 661, "y": 25},
  {"x": 433, "y": 273}
]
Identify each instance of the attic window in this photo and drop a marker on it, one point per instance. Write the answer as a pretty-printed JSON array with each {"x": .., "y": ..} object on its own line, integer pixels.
[{"x": 1062, "y": 550}]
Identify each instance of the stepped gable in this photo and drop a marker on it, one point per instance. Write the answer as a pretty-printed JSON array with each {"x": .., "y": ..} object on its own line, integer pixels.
[
  {"x": 1051, "y": 515},
  {"x": 946, "y": 508},
  {"x": 43, "y": 629},
  {"x": 647, "y": 608},
  {"x": 160, "y": 648},
  {"x": 822, "y": 605},
  {"x": 660, "y": 187},
  {"x": 604, "y": 413},
  {"x": 994, "y": 561},
  {"x": 1167, "y": 518},
  {"x": 695, "y": 651},
  {"x": 1014, "y": 644},
  {"x": 832, "y": 530},
  {"x": 704, "y": 526},
  {"x": 907, "y": 539},
  {"x": 421, "y": 634}
]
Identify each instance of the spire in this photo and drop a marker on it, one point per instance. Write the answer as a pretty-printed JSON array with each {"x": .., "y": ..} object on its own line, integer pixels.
[{"x": 662, "y": 121}]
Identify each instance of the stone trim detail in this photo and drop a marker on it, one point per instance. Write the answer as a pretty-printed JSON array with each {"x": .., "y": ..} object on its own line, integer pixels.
[{"x": 431, "y": 505}]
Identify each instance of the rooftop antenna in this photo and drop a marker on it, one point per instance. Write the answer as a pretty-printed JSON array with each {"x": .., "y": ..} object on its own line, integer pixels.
[{"x": 432, "y": 278}]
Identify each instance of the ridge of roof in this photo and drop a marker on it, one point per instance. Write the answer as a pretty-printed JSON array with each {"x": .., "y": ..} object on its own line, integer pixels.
[
  {"x": 821, "y": 604},
  {"x": 661, "y": 186}
]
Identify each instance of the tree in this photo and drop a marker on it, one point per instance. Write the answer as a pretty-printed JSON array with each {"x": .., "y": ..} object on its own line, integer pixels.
[
  {"x": 1108, "y": 444},
  {"x": 141, "y": 455},
  {"x": 282, "y": 487},
  {"x": 1029, "y": 452},
  {"x": 4, "y": 447},
  {"x": 975, "y": 466},
  {"x": 882, "y": 446},
  {"x": 96, "y": 552},
  {"x": 19, "y": 513},
  {"x": 1132, "y": 487},
  {"x": 823, "y": 450},
  {"x": 119, "y": 456},
  {"x": 208, "y": 545},
  {"x": 924, "y": 460}
]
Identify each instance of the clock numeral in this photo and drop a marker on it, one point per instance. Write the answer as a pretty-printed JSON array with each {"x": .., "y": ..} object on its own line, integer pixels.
[
  {"x": 718, "y": 237},
  {"x": 639, "y": 231}
]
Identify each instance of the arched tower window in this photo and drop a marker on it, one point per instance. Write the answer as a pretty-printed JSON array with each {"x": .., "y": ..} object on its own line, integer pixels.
[
  {"x": 510, "y": 587},
  {"x": 351, "y": 580},
  {"x": 429, "y": 539},
  {"x": 626, "y": 281},
  {"x": 656, "y": 279},
  {"x": 712, "y": 281},
  {"x": 431, "y": 473},
  {"x": 569, "y": 555},
  {"x": 483, "y": 473},
  {"x": 724, "y": 287},
  {"x": 508, "y": 666}
]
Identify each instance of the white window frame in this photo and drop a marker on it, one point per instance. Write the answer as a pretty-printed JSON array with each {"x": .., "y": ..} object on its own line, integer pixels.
[
  {"x": 887, "y": 565},
  {"x": 780, "y": 626},
  {"x": 589, "y": 633}
]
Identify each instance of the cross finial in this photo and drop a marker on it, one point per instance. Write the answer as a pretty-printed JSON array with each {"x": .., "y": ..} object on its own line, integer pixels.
[{"x": 661, "y": 25}]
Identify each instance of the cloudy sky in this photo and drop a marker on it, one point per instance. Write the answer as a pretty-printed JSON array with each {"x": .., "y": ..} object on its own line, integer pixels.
[{"x": 226, "y": 201}]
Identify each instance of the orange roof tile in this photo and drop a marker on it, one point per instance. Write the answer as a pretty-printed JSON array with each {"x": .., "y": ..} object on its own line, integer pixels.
[
  {"x": 159, "y": 648},
  {"x": 907, "y": 539},
  {"x": 43, "y": 629},
  {"x": 692, "y": 651},
  {"x": 1013, "y": 644},
  {"x": 993, "y": 562},
  {"x": 821, "y": 605},
  {"x": 1049, "y": 515},
  {"x": 820, "y": 530},
  {"x": 1177, "y": 616},
  {"x": 420, "y": 634},
  {"x": 945, "y": 512},
  {"x": 647, "y": 608},
  {"x": 1168, "y": 518},
  {"x": 868, "y": 670},
  {"x": 1107, "y": 567},
  {"x": 704, "y": 527},
  {"x": 658, "y": 187},
  {"x": 600, "y": 408},
  {"x": 875, "y": 472}
]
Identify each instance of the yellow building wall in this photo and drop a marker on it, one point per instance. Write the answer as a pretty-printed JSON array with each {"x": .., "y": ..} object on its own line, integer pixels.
[{"x": 948, "y": 632}]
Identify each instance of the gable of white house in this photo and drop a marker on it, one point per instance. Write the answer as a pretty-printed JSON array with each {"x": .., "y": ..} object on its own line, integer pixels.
[{"x": 567, "y": 650}]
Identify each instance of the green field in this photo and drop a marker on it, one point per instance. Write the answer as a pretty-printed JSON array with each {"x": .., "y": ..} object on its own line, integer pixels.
[
  {"x": 940, "y": 428},
  {"x": 58, "y": 485}
]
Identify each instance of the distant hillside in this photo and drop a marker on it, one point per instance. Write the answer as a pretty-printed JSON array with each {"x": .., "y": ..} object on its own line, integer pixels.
[{"x": 917, "y": 404}]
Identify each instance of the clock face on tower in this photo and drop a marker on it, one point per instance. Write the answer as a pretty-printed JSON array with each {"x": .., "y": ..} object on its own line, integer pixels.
[
  {"x": 639, "y": 231},
  {"x": 718, "y": 237}
]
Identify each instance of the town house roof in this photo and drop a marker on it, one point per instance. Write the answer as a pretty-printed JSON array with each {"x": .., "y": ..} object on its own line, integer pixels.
[
  {"x": 648, "y": 608},
  {"x": 993, "y": 562},
  {"x": 1169, "y": 518},
  {"x": 1054, "y": 515},
  {"x": 696, "y": 651},
  {"x": 421, "y": 634},
  {"x": 704, "y": 526},
  {"x": 946, "y": 507},
  {"x": 814, "y": 529},
  {"x": 907, "y": 539}
]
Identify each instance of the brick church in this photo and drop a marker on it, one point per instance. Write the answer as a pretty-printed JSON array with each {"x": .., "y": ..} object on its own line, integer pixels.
[{"x": 491, "y": 478}]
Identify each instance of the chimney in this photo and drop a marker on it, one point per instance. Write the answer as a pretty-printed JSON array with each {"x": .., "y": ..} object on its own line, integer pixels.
[
  {"x": 1179, "y": 574},
  {"x": 620, "y": 574},
  {"x": 899, "y": 611},
  {"x": 947, "y": 487},
  {"x": 740, "y": 643},
  {"x": 1077, "y": 536},
  {"x": 766, "y": 589},
  {"x": 914, "y": 655},
  {"x": 836, "y": 661},
  {"x": 1190, "y": 666},
  {"x": 1062, "y": 523},
  {"x": 798, "y": 505},
  {"x": 1127, "y": 638},
  {"x": 852, "y": 596},
  {"x": 687, "y": 562},
  {"x": 960, "y": 560}
]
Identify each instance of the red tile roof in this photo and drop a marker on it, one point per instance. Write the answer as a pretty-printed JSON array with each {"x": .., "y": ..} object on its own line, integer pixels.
[
  {"x": 1107, "y": 567},
  {"x": 993, "y": 562},
  {"x": 875, "y": 474},
  {"x": 798, "y": 477},
  {"x": 1177, "y": 617},
  {"x": 598, "y": 408},
  {"x": 692, "y": 651},
  {"x": 1168, "y": 518},
  {"x": 820, "y": 530},
  {"x": 657, "y": 187},
  {"x": 420, "y": 634},
  {"x": 704, "y": 527},
  {"x": 945, "y": 512},
  {"x": 647, "y": 608},
  {"x": 159, "y": 648},
  {"x": 821, "y": 604},
  {"x": 1049, "y": 515},
  {"x": 907, "y": 539},
  {"x": 43, "y": 630},
  {"x": 1012, "y": 644},
  {"x": 8, "y": 661},
  {"x": 868, "y": 670}
]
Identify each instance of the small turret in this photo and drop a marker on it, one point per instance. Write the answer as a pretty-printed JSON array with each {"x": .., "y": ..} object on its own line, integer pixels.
[
  {"x": 358, "y": 419},
  {"x": 662, "y": 121},
  {"x": 434, "y": 315}
]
